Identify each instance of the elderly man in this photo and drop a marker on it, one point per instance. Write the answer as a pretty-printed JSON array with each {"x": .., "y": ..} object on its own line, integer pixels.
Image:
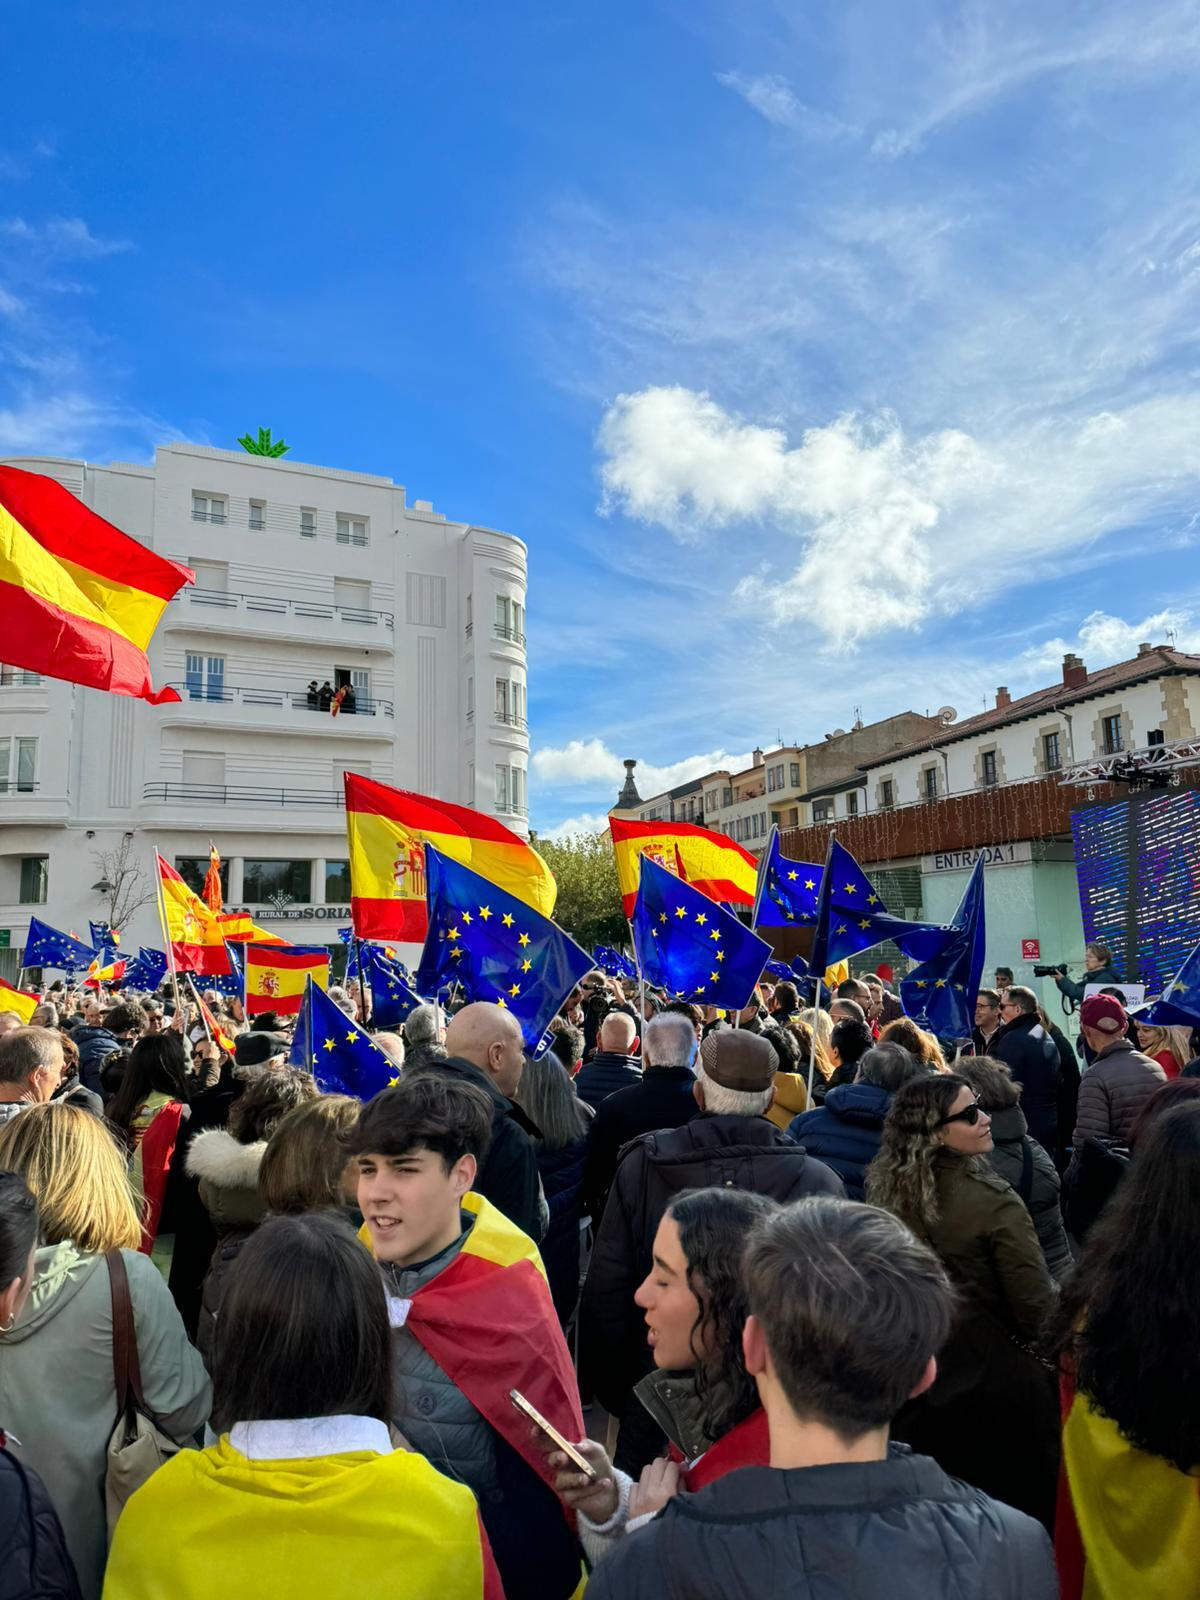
[
  {"x": 484, "y": 1047},
  {"x": 31, "y": 1069},
  {"x": 730, "y": 1144},
  {"x": 1120, "y": 1079},
  {"x": 614, "y": 1066},
  {"x": 424, "y": 1033}
]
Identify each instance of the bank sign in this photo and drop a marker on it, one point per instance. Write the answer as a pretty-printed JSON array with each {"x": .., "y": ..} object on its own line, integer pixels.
[
  {"x": 992, "y": 855},
  {"x": 301, "y": 914}
]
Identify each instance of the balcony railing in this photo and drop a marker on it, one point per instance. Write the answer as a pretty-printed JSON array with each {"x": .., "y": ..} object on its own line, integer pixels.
[
  {"x": 219, "y": 794},
  {"x": 281, "y": 699},
  {"x": 276, "y": 605},
  {"x": 512, "y": 634},
  {"x": 510, "y": 718}
]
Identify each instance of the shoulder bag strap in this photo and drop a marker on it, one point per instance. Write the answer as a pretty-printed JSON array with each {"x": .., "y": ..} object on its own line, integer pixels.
[{"x": 126, "y": 1368}]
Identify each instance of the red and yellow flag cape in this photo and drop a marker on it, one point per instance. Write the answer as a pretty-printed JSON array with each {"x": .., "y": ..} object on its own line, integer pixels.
[
  {"x": 710, "y": 862},
  {"x": 387, "y": 830},
  {"x": 17, "y": 1000},
  {"x": 79, "y": 599}
]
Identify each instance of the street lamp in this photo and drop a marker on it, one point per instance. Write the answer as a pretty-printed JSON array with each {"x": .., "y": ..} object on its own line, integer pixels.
[{"x": 103, "y": 887}]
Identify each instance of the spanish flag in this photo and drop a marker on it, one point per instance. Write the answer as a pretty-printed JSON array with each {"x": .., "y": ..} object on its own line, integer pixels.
[
  {"x": 79, "y": 599},
  {"x": 211, "y": 892},
  {"x": 17, "y": 1000},
  {"x": 387, "y": 831},
  {"x": 101, "y": 971},
  {"x": 710, "y": 862},
  {"x": 276, "y": 974}
]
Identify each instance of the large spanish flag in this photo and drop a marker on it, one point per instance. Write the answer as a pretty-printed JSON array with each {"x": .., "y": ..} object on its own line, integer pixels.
[
  {"x": 710, "y": 862},
  {"x": 195, "y": 935},
  {"x": 388, "y": 830},
  {"x": 79, "y": 599},
  {"x": 276, "y": 975},
  {"x": 17, "y": 1000}
]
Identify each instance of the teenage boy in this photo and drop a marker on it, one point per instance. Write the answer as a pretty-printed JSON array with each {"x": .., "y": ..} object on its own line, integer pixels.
[
  {"x": 836, "y": 1348},
  {"x": 472, "y": 1319}
]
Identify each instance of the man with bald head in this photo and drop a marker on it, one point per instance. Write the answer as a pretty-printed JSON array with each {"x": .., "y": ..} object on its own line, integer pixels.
[
  {"x": 484, "y": 1047},
  {"x": 614, "y": 1066}
]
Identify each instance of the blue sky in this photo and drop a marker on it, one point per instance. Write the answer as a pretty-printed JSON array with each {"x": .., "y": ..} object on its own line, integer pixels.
[{"x": 827, "y": 356}]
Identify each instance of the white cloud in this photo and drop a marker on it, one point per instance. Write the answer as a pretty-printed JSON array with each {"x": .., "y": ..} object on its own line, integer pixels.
[
  {"x": 62, "y": 237},
  {"x": 1103, "y": 639},
  {"x": 586, "y": 764},
  {"x": 74, "y": 424},
  {"x": 906, "y": 527},
  {"x": 771, "y": 96},
  {"x": 591, "y": 822},
  {"x": 10, "y": 306}
]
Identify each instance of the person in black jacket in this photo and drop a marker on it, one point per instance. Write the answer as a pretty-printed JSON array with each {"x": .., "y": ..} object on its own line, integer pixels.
[
  {"x": 835, "y": 1354},
  {"x": 35, "y": 1563},
  {"x": 1097, "y": 968},
  {"x": 1031, "y": 1055},
  {"x": 662, "y": 1098},
  {"x": 731, "y": 1144},
  {"x": 548, "y": 1097},
  {"x": 484, "y": 1047},
  {"x": 613, "y": 1066}
]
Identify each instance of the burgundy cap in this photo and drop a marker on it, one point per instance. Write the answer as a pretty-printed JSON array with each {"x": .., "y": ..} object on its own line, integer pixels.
[{"x": 1105, "y": 1014}]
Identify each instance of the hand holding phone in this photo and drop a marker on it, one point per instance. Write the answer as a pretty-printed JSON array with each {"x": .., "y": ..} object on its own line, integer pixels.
[{"x": 552, "y": 1433}]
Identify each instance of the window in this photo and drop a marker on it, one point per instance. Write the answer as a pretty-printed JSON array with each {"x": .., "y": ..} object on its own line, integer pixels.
[
  {"x": 209, "y": 507},
  {"x": 18, "y": 766},
  {"x": 520, "y": 796},
  {"x": 351, "y": 530},
  {"x": 502, "y": 714},
  {"x": 727, "y": 796},
  {"x": 794, "y": 775},
  {"x": 887, "y": 794},
  {"x": 822, "y": 810},
  {"x": 308, "y": 522},
  {"x": 11, "y": 675},
  {"x": 194, "y": 869},
  {"x": 258, "y": 513},
  {"x": 266, "y": 880},
  {"x": 205, "y": 677},
  {"x": 510, "y": 619},
  {"x": 501, "y": 787},
  {"x": 1155, "y": 736},
  {"x": 337, "y": 882},
  {"x": 1114, "y": 739},
  {"x": 987, "y": 767},
  {"x": 931, "y": 784},
  {"x": 35, "y": 880},
  {"x": 852, "y": 803},
  {"x": 774, "y": 778},
  {"x": 1050, "y": 752},
  {"x": 518, "y": 699},
  {"x": 510, "y": 789}
]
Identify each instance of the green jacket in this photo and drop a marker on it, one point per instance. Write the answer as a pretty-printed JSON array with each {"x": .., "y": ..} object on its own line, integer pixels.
[{"x": 57, "y": 1393}]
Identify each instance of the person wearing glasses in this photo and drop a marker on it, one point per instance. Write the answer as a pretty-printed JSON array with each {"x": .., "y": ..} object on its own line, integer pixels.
[{"x": 991, "y": 1416}]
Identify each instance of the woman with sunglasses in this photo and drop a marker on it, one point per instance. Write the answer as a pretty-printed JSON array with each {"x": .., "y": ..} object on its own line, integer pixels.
[{"x": 991, "y": 1416}]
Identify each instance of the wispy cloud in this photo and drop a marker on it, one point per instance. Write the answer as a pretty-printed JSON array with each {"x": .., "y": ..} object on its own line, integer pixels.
[
  {"x": 67, "y": 238},
  {"x": 588, "y": 822},
  {"x": 771, "y": 96},
  {"x": 587, "y": 764}
]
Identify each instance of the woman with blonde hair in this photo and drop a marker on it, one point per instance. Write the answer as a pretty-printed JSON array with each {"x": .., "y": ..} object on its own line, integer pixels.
[
  {"x": 1167, "y": 1046},
  {"x": 991, "y": 1416},
  {"x": 921, "y": 1046},
  {"x": 57, "y": 1390}
]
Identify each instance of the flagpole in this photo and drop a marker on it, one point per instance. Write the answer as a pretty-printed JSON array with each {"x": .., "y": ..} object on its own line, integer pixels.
[
  {"x": 162, "y": 917},
  {"x": 191, "y": 983},
  {"x": 362, "y": 984},
  {"x": 812, "y": 1048}
]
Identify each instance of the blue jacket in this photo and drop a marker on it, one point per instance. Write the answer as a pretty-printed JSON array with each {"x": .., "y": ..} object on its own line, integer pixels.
[
  {"x": 562, "y": 1175},
  {"x": 95, "y": 1046},
  {"x": 845, "y": 1132},
  {"x": 604, "y": 1074}
]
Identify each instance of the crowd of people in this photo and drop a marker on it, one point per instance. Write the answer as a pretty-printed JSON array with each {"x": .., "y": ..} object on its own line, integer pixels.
[{"x": 798, "y": 1300}]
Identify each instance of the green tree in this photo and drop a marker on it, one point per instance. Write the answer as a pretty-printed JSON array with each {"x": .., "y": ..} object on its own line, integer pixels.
[
  {"x": 589, "y": 897},
  {"x": 262, "y": 444}
]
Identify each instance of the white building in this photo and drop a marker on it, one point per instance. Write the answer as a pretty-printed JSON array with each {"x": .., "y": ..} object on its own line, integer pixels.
[{"x": 303, "y": 573}]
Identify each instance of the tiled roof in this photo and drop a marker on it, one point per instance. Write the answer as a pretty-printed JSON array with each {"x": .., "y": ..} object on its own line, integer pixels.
[{"x": 1154, "y": 663}]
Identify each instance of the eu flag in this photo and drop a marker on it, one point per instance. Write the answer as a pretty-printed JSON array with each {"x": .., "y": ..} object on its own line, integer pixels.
[
  {"x": 47, "y": 947},
  {"x": 495, "y": 947},
  {"x": 105, "y": 942},
  {"x": 940, "y": 994},
  {"x": 690, "y": 946},
  {"x": 342, "y": 1057},
  {"x": 391, "y": 995},
  {"x": 147, "y": 969},
  {"x": 787, "y": 889},
  {"x": 1179, "y": 1004},
  {"x": 851, "y": 917},
  {"x": 613, "y": 962}
]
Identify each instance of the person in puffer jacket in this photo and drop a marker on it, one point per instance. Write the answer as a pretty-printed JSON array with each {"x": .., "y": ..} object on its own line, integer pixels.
[
  {"x": 845, "y": 1132},
  {"x": 1020, "y": 1160},
  {"x": 1120, "y": 1079}
]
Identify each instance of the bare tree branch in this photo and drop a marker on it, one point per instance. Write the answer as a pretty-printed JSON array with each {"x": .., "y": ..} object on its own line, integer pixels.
[{"x": 127, "y": 886}]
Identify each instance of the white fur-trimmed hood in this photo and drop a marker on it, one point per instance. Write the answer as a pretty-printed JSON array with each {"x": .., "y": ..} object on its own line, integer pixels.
[{"x": 216, "y": 1157}]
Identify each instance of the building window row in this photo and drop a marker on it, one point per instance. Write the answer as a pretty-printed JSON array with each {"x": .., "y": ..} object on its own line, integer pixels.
[
  {"x": 510, "y": 702},
  {"x": 215, "y": 508},
  {"x": 17, "y": 675},
  {"x": 35, "y": 880},
  {"x": 511, "y": 791},
  {"x": 268, "y": 879},
  {"x": 510, "y": 619},
  {"x": 18, "y": 765},
  {"x": 752, "y": 827}
]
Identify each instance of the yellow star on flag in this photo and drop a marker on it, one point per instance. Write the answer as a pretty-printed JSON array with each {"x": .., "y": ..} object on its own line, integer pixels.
[
  {"x": 662, "y": 916},
  {"x": 467, "y": 918},
  {"x": 392, "y": 1082},
  {"x": 351, "y": 1036},
  {"x": 485, "y": 912},
  {"x": 501, "y": 1002},
  {"x": 715, "y": 934},
  {"x": 701, "y": 918},
  {"x": 680, "y": 912},
  {"x": 809, "y": 883},
  {"x": 654, "y": 933},
  {"x": 851, "y": 888},
  {"x": 713, "y": 976},
  {"x": 330, "y": 1044},
  {"x": 456, "y": 954},
  {"x": 872, "y": 899},
  {"x": 792, "y": 879},
  {"x": 921, "y": 983},
  {"x": 940, "y": 984},
  {"x": 526, "y": 966},
  {"x": 720, "y": 955},
  {"x": 507, "y": 919},
  {"x": 515, "y": 990},
  {"x": 523, "y": 940},
  {"x": 841, "y": 927},
  {"x": 865, "y": 923},
  {"x": 452, "y": 934}
]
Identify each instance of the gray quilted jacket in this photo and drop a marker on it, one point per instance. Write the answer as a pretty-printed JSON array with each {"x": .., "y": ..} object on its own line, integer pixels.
[
  {"x": 1022, "y": 1162},
  {"x": 1113, "y": 1090}
]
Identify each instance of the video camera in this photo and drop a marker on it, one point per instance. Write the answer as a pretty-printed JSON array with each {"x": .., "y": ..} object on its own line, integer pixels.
[{"x": 1050, "y": 972}]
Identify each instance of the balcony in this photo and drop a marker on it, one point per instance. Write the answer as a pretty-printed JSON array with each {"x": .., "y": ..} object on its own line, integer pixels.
[
  {"x": 276, "y": 699},
  {"x": 510, "y": 719},
  {"x": 210, "y": 794},
  {"x": 511, "y": 634},
  {"x": 274, "y": 617}
]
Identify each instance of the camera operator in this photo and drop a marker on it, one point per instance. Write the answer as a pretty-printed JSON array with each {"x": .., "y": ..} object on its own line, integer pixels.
[
  {"x": 1097, "y": 968},
  {"x": 595, "y": 1000}
]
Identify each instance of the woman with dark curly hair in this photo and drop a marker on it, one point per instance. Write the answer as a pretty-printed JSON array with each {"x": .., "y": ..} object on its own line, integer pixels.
[
  {"x": 1125, "y": 1338},
  {"x": 990, "y": 1417},
  {"x": 700, "y": 1393}
]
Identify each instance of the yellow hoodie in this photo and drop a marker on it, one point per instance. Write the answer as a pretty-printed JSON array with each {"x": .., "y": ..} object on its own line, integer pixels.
[{"x": 220, "y": 1523}]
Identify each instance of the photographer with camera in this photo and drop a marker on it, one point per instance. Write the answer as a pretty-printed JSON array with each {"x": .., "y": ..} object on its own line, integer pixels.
[{"x": 1097, "y": 968}]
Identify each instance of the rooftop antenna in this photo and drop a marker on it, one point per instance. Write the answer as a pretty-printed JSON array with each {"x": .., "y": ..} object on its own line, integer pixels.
[{"x": 1171, "y": 636}]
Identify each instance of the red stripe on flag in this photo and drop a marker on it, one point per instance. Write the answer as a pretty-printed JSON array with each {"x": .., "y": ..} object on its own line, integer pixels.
[
  {"x": 405, "y": 920},
  {"x": 715, "y": 888},
  {"x": 272, "y": 956},
  {"x": 420, "y": 814},
  {"x": 44, "y": 638}
]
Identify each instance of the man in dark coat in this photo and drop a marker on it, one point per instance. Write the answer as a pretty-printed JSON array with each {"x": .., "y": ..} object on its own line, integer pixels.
[
  {"x": 845, "y": 1132},
  {"x": 484, "y": 1047},
  {"x": 100, "y": 1036},
  {"x": 1032, "y": 1057},
  {"x": 613, "y": 1067},
  {"x": 662, "y": 1098},
  {"x": 731, "y": 1144},
  {"x": 835, "y": 1355}
]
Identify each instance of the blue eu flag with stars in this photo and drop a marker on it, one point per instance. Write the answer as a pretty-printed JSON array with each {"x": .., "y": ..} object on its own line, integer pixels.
[
  {"x": 390, "y": 994},
  {"x": 47, "y": 947},
  {"x": 690, "y": 946},
  {"x": 104, "y": 941},
  {"x": 852, "y": 917},
  {"x": 940, "y": 994},
  {"x": 147, "y": 969},
  {"x": 342, "y": 1057},
  {"x": 1179, "y": 1004},
  {"x": 787, "y": 890},
  {"x": 496, "y": 948}
]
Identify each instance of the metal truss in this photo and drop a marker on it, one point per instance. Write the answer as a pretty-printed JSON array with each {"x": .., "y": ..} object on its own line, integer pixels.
[{"x": 1152, "y": 766}]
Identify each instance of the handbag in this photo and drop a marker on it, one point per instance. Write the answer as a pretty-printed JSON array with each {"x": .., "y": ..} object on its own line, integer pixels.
[{"x": 137, "y": 1446}]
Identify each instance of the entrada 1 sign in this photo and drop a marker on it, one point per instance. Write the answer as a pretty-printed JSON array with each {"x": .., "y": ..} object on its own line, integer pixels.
[{"x": 953, "y": 860}]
